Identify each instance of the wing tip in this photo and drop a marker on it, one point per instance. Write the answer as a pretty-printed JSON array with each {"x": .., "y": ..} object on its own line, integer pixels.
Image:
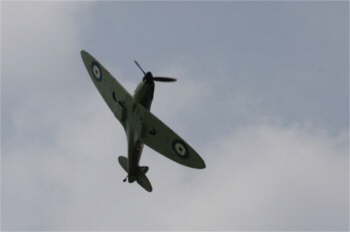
[
  {"x": 200, "y": 164},
  {"x": 83, "y": 53}
]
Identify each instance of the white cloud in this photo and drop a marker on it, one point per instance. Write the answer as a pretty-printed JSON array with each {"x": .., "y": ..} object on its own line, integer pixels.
[
  {"x": 268, "y": 177},
  {"x": 60, "y": 147},
  {"x": 260, "y": 177}
]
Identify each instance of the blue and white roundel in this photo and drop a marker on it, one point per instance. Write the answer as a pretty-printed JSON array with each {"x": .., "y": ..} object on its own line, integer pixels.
[
  {"x": 96, "y": 71},
  {"x": 180, "y": 148}
]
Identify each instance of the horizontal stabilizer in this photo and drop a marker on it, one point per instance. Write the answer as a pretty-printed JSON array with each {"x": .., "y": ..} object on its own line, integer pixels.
[
  {"x": 123, "y": 161},
  {"x": 143, "y": 181}
]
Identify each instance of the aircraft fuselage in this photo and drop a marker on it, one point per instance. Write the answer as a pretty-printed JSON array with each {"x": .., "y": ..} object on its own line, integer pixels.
[{"x": 143, "y": 95}]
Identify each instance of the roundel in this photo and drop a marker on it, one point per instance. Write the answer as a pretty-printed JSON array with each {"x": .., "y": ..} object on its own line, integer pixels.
[
  {"x": 96, "y": 71},
  {"x": 180, "y": 148}
]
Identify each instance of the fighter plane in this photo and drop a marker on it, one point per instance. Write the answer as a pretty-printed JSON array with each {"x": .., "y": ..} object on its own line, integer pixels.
[{"x": 140, "y": 125}]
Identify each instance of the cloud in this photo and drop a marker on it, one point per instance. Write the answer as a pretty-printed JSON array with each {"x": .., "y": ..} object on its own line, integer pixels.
[
  {"x": 269, "y": 176},
  {"x": 61, "y": 143},
  {"x": 260, "y": 177}
]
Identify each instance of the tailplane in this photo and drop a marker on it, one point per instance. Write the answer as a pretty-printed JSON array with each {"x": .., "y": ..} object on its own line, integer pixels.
[
  {"x": 143, "y": 181},
  {"x": 141, "y": 178},
  {"x": 123, "y": 161}
]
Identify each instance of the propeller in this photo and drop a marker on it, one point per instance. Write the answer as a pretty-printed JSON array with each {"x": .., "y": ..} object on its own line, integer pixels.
[
  {"x": 164, "y": 79},
  {"x": 150, "y": 75},
  {"x": 139, "y": 66}
]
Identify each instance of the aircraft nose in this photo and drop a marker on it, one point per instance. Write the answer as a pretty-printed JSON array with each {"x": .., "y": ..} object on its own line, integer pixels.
[{"x": 148, "y": 77}]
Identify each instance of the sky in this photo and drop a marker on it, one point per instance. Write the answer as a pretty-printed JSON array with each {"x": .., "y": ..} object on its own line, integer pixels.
[{"x": 262, "y": 95}]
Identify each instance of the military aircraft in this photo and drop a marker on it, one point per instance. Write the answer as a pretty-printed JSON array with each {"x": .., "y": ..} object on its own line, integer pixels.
[{"x": 140, "y": 125}]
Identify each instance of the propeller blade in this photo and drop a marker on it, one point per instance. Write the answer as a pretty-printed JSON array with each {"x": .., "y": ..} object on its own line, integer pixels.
[
  {"x": 139, "y": 66},
  {"x": 164, "y": 79}
]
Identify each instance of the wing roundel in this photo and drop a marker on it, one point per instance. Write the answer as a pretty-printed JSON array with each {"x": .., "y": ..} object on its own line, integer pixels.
[
  {"x": 180, "y": 148},
  {"x": 96, "y": 71}
]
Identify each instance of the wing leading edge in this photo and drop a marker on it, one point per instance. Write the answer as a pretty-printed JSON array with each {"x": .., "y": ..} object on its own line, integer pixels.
[{"x": 114, "y": 94}]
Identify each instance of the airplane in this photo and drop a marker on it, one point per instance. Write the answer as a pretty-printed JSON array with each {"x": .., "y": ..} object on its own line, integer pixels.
[{"x": 140, "y": 125}]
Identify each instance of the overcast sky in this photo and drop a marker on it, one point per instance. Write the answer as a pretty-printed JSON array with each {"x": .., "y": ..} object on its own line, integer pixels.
[{"x": 262, "y": 95}]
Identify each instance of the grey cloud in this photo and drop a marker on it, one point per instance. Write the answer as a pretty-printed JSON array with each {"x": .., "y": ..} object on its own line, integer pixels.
[{"x": 262, "y": 95}]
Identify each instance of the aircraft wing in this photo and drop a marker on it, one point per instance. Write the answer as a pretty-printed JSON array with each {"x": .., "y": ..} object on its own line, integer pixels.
[
  {"x": 162, "y": 139},
  {"x": 114, "y": 94}
]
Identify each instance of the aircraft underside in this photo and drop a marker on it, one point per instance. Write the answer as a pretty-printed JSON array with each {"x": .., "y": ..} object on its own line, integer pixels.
[{"x": 140, "y": 124}]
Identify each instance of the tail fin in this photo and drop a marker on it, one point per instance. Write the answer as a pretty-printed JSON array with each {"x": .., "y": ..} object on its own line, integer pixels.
[{"x": 144, "y": 169}]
